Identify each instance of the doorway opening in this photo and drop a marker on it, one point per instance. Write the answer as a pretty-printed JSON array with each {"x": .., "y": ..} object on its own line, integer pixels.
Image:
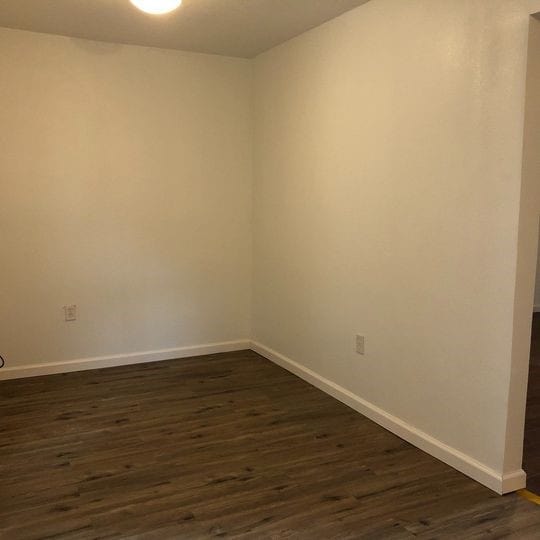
[{"x": 531, "y": 442}]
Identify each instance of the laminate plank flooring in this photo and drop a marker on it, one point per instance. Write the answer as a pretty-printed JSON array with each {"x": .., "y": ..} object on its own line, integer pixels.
[
  {"x": 222, "y": 446},
  {"x": 531, "y": 445}
]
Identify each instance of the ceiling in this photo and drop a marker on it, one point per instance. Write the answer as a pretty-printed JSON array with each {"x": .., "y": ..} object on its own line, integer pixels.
[{"x": 242, "y": 28}]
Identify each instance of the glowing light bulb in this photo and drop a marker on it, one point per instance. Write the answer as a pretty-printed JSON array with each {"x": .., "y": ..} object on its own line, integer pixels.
[{"x": 156, "y": 7}]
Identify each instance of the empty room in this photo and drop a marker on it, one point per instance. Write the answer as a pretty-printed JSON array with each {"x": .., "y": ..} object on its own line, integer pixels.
[{"x": 269, "y": 269}]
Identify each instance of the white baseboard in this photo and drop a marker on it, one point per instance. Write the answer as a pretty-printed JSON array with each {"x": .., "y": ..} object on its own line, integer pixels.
[
  {"x": 513, "y": 481},
  {"x": 456, "y": 459},
  {"x": 536, "y": 308},
  {"x": 462, "y": 462},
  {"x": 35, "y": 370}
]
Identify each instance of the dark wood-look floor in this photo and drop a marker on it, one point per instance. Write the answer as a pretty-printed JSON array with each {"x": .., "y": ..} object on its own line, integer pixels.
[
  {"x": 531, "y": 446},
  {"x": 227, "y": 446}
]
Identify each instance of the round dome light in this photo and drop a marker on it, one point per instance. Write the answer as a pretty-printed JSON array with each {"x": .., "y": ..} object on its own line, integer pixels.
[{"x": 156, "y": 7}]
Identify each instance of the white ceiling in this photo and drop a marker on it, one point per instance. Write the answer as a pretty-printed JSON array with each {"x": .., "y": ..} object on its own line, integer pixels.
[{"x": 241, "y": 28}]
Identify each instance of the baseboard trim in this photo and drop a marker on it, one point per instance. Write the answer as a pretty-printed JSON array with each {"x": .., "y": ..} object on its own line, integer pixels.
[
  {"x": 17, "y": 372},
  {"x": 536, "y": 308},
  {"x": 456, "y": 459},
  {"x": 474, "y": 469},
  {"x": 513, "y": 481}
]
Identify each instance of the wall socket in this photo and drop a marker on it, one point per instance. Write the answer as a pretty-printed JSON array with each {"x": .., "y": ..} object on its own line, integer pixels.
[
  {"x": 70, "y": 313},
  {"x": 360, "y": 344}
]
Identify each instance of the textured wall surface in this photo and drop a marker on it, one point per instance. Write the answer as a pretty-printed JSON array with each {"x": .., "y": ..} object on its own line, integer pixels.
[
  {"x": 125, "y": 181},
  {"x": 388, "y": 156}
]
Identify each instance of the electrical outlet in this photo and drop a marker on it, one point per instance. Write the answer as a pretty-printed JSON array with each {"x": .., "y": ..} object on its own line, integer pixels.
[
  {"x": 360, "y": 343},
  {"x": 70, "y": 313}
]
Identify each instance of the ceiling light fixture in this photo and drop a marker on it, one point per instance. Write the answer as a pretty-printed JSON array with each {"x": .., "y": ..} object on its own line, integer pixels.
[{"x": 156, "y": 7}]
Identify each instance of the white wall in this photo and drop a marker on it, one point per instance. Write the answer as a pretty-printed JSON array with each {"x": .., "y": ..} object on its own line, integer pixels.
[
  {"x": 529, "y": 215},
  {"x": 125, "y": 188},
  {"x": 387, "y": 188}
]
